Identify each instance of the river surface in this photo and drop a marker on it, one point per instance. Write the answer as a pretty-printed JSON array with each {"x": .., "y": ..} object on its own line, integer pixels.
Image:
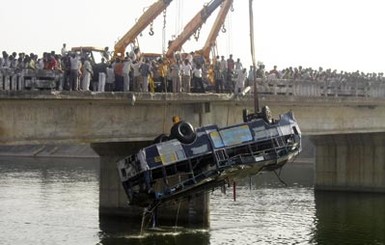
[{"x": 55, "y": 201}]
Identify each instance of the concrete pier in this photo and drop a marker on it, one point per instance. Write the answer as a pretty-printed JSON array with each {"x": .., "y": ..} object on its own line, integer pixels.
[
  {"x": 113, "y": 200},
  {"x": 350, "y": 162}
]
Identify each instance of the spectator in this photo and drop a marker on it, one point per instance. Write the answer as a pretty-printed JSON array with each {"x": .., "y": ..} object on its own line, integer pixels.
[
  {"x": 274, "y": 74},
  {"x": 163, "y": 75},
  {"x": 106, "y": 54},
  {"x": 52, "y": 63},
  {"x": 64, "y": 50},
  {"x": 175, "y": 76},
  {"x": 110, "y": 78},
  {"x": 126, "y": 74},
  {"x": 119, "y": 81},
  {"x": 75, "y": 65},
  {"x": 87, "y": 72},
  {"x": 251, "y": 77},
  {"x": 145, "y": 71},
  {"x": 218, "y": 74},
  {"x": 198, "y": 79},
  {"x": 137, "y": 76},
  {"x": 101, "y": 72},
  {"x": 238, "y": 66},
  {"x": 186, "y": 76},
  {"x": 223, "y": 66},
  {"x": 230, "y": 64},
  {"x": 240, "y": 81}
]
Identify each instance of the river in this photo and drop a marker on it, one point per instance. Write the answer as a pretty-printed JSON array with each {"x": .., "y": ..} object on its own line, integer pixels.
[{"x": 55, "y": 201}]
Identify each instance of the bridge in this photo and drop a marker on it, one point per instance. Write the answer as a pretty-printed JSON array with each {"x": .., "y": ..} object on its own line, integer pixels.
[{"x": 345, "y": 125}]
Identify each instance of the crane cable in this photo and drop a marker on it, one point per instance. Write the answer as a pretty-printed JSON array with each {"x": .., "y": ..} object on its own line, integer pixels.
[
  {"x": 229, "y": 30},
  {"x": 164, "y": 31},
  {"x": 256, "y": 101}
]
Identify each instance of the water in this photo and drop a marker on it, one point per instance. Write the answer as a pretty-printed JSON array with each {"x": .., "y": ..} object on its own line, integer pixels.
[{"x": 55, "y": 201}]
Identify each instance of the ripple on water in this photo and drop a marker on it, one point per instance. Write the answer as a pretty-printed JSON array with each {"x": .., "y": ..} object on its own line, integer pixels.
[{"x": 278, "y": 215}]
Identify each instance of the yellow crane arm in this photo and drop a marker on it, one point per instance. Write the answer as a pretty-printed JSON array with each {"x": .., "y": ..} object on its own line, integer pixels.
[
  {"x": 148, "y": 16},
  {"x": 195, "y": 23},
  {"x": 211, "y": 39}
]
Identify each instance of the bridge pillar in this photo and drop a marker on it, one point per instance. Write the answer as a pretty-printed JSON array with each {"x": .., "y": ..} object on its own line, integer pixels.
[
  {"x": 113, "y": 200},
  {"x": 350, "y": 162}
]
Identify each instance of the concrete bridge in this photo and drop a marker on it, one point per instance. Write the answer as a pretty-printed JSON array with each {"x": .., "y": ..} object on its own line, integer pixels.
[{"x": 348, "y": 131}]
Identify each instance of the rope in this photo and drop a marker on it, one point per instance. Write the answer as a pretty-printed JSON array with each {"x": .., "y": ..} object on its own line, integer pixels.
[
  {"x": 164, "y": 31},
  {"x": 229, "y": 30},
  {"x": 279, "y": 178},
  {"x": 177, "y": 214}
]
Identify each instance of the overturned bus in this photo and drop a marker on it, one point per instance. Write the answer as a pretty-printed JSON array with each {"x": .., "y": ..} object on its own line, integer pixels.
[{"x": 192, "y": 160}]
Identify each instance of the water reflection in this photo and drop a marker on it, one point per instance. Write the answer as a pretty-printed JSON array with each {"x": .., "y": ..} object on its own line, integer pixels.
[
  {"x": 56, "y": 201},
  {"x": 48, "y": 201},
  {"x": 349, "y": 218},
  {"x": 118, "y": 231}
]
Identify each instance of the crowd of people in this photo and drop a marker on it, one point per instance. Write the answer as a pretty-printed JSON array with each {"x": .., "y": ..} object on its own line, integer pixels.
[
  {"x": 77, "y": 71},
  {"x": 320, "y": 74}
]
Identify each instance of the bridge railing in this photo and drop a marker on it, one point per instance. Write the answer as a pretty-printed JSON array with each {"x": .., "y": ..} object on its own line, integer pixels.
[
  {"x": 28, "y": 79},
  {"x": 311, "y": 88},
  {"x": 9, "y": 80}
]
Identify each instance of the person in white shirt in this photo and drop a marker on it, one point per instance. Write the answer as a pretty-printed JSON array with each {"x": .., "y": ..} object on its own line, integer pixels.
[
  {"x": 126, "y": 74},
  {"x": 87, "y": 73},
  {"x": 175, "y": 76},
  {"x": 186, "y": 76},
  {"x": 238, "y": 66},
  {"x": 198, "y": 79},
  {"x": 64, "y": 50},
  {"x": 74, "y": 75},
  {"x": 240, "y": 81},
  {"x": 40, "y": 64}
]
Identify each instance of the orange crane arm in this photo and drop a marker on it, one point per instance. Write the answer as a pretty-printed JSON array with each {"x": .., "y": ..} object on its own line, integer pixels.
[
  {"x": 148, "y": 16},
  {"x": 211, "y": 39},
  {"x": 195, "y": 23}
]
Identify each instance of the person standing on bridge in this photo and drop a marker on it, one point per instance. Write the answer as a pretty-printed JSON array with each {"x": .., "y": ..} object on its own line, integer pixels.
[
  {"x": 101, "y": 72},
  {"x": 136, "y": 75},
  {"x": 218, "y": 74},
  {"x": 186, "y": 76},
  {"x": 110, "y": 78},
  {"x": 145, "y": 71},
  {"x": 74, "y": 74},
  {"x": 198, "y": 79},
  {"x": 126, "y": 74},
  {"x": 64, "y": 49},
  {"x": 175, "y": 76},
  {"x": 240, "y": 81},
  {"x": 87, "y": 73}
]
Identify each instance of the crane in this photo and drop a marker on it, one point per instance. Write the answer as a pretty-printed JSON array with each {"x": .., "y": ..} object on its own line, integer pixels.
[
  {"x": 195, "y": 23},
  {"x": 211, "y": 39},
  {"x": 148, "y": 16}
]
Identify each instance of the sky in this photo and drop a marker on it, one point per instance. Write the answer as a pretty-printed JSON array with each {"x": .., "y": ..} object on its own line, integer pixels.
[{"x": 336, "y": 34}]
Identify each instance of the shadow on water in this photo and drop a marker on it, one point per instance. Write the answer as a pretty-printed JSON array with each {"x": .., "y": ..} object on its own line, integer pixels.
[{"x": 349, "y": 218}]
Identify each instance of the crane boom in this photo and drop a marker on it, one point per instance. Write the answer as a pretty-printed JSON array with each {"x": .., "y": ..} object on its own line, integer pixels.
[
  {"x": 195, "y": 23},
  {"x": 148, "y": 16},
  {"x": 210, "y": 42}
]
